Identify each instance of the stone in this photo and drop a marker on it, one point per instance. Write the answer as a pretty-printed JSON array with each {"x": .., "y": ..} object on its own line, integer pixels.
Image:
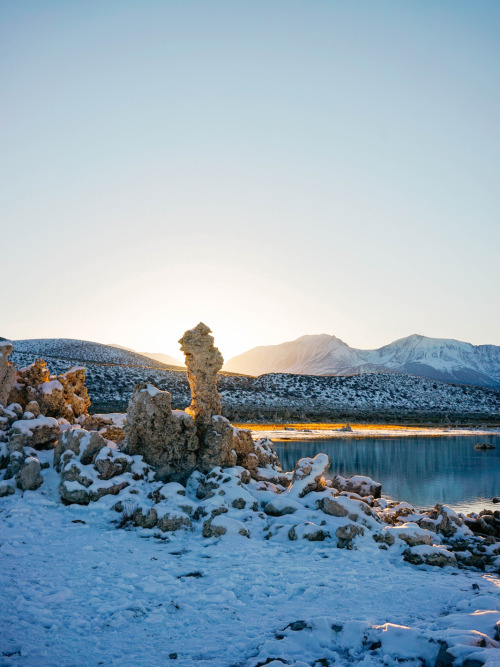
[
  {"x": 110, "y": 463},
  {"x": 40, "y": 432},
  {"x": 29, "y": 477},
  {"x": 307, "y": 531},
  {"x": 209, "y": 530},
  {"x": 110, "y": 426},
  {"x": 148, "y": 519},
  {"x": 33, "y": 407},
  {"x": 75, "y": 393},
  {"x": 363, "y": 486},
  {"x": 203, "y": 362},
  {"x": 333, "y": 507},
  {"x": 166, "y": 439},
  {"x": 60, "y": 396},
  {"x": 73, "y": 492},
  {"x": 309, "y": 475},
  {"x": 429, "y": 555},
  {"x": 346, "y": 534},
  {"x": 6, "y": 490},
  {"x": 282, "y": 505},
  {"x": 411, "y": 533},
  {"x": 218, "y": 445},
  {"x": 7, "y": 372},
  {"x": 27, "y": 381},
  {"x": 84, "y": 444},
  {"x": 16, "y": 460}
]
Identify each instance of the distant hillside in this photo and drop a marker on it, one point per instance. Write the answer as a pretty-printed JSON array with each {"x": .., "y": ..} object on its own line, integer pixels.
[
  {"x": 164, "y": 358},
  {"x": 81, "y": 351},
  {"x": 434, "y": 358},
  {"x": 158, "y": 356}
]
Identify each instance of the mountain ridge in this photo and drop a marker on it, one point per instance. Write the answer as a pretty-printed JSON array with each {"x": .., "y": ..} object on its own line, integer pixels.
[{"x": 442, "y": 359}]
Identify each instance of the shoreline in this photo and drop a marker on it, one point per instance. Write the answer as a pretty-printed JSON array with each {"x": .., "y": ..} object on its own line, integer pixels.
[{"x": 315, "y": 431}]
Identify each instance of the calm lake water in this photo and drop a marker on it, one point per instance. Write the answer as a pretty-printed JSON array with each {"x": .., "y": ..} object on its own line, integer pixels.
[{"x": 421, "y": 471}]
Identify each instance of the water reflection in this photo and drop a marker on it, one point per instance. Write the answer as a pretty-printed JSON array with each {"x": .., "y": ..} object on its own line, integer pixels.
[{"x": 422, "y": 471}]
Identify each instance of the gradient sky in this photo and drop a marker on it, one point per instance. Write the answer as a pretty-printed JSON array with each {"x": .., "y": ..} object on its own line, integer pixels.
[{"x": 271, "y": 168}]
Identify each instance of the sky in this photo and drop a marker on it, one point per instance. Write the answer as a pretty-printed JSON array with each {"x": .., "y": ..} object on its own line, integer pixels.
[{"x": 273, "y": 169}]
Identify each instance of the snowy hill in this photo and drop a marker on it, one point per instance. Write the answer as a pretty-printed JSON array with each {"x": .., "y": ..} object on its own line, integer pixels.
[
  {"x": 157, "y": 356},
  {"x": 163, "y": 358},
  {"x": 83, "y": 351},
  {"x": 440, "y": 359}
]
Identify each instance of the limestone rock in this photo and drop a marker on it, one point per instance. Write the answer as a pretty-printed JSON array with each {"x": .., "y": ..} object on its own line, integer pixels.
[
  {"x": 7, "y": 372},
  {"x": 309, "y": 475},
  {"x": 203, "y": 361},
  {"x": 40, "y": 433},
  {"x": 411, "y": 533},
  {"x": 346, "y": 534},
  {"x": 34, "y": 408},
  {"x": 84, "y": 444},
  {"x": 110, "y": 463},
  {"x": 218, "y": 447},
  {"x": 16, "y": 461},
  {"x": 364, "y": 486},
  {"x": 110, "y": 426},
  {"x": 60, "y": 396},
  {"x": 6, "y": 490},
  {"x": 75, "y": 393},
  {"x": 74, "y": 492},
  {"x": 29, "y": 477},
  {"x": 166, "y": 439},
  {"x": 307, "y": 531},
  {"x": 429, "y": 555},
  {"x": 282, "y": 505},
  {"x": 147, "y": 519}
]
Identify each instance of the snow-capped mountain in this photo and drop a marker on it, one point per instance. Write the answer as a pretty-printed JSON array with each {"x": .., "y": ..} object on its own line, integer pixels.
[{"x": 434, "y": 358}]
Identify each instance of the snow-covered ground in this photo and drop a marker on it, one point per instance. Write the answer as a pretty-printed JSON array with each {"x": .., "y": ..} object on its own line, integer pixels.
[{"x": 76, "y": 590}]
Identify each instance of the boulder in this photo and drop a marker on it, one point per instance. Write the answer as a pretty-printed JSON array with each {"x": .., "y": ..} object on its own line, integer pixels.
[
  {"x": 110, "y": 463},
  {"x": 307, "y": 531},
  {"x": 346, "y": 534},
  {"x": 411, "y": 533},
  {"x": 110, "y": 426},
  {"x": 29, "y": 477},
  {"x": 364, "y": 486},
  {"x": 84, "y": 444},
  {"x": 166, "y": 439},
  {"x": 6, "y": 490},
  {"x": 16, "y": 460},
  {"x": 60, "y": 396},
  {"x": 40, "y": 433},
  {"x": 218, "y": 445},
  {"x": 282, "y": 505},
  {"x": 309, "y": 475},
  {"x": 429, "y": 555}
]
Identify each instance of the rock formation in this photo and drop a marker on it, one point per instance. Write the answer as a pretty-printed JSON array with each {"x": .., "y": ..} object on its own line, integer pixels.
[
  {"x": 166, "y": 438},
  {"x": 7, "y": 371},
  {"x": 203, "y": 361},
  {"x": 60, "y": 396},
  {"x": 178, "y": 442}
]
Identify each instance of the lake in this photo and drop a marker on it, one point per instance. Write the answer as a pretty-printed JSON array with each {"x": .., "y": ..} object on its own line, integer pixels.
[{"x": 420, "y": 470}]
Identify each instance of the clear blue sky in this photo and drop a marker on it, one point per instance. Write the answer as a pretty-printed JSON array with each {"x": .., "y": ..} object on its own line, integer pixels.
[{"x": 272, "y": 168}]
